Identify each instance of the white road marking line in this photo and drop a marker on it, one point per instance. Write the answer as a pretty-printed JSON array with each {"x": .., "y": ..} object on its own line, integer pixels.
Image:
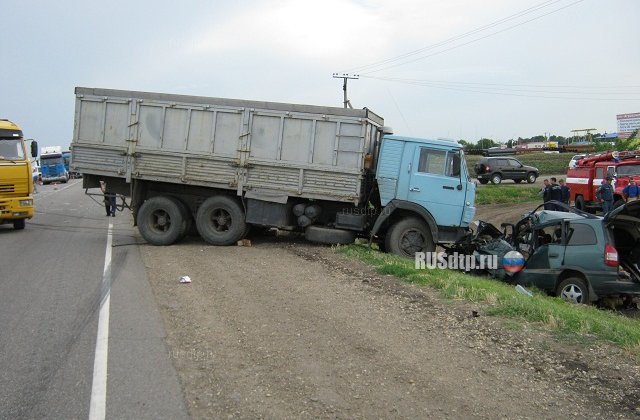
[{"x": 97, "y": 409}]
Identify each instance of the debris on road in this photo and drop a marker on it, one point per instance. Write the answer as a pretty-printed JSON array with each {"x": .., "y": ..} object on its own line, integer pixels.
[{"x": 185, "y": 279}]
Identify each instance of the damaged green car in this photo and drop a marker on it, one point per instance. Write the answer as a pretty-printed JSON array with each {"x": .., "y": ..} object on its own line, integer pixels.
[{"x": 572, "y": 254}]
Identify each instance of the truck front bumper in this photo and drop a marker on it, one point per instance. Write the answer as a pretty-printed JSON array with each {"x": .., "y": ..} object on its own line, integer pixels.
[{"x": 16, "y": 208}]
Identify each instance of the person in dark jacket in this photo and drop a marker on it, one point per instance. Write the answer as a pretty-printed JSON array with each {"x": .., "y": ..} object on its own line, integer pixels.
[
  {"x": 544, "y": 192},
  {"x": 555, "y": 193},
  {"x": 631, "y": 192},
  {"x": 565, "y": 192},
  {"x": 604, "y": 194}
]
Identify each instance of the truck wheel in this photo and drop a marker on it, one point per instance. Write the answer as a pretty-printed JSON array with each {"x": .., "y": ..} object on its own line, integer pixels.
[
  {"x": 18, "y": 224},
  {"x": 531, "y": 178},
  {"x": 160, "y": 220},
  {"x": 579, "y": 203},
  {"x": 186, "y": 216},
  {"x": 408, "y": 236},
  {"x": 496, "y": 179},
  {"x": 325, "y": 235},
  {"x": 220, "y": 220},
  {"x": 573, "y": 290}
]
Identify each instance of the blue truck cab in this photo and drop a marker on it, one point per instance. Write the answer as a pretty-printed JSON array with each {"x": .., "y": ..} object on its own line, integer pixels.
[
  {"x": 426, "y": 194},
  {"x": 53, "y": 168}
]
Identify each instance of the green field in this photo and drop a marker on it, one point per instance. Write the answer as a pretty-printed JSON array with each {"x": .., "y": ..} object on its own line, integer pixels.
[
  {"x": 506, "y": 194},
  {"x": 547, "y": 163}
]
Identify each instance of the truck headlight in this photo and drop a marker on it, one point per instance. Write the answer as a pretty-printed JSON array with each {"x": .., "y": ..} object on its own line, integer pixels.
[{"x": 26, "y": 203}]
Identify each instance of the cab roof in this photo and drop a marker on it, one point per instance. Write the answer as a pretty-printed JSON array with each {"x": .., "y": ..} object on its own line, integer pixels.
[
  {"x": 9, "y": 129},
  {"x": 439, "y": 142}
]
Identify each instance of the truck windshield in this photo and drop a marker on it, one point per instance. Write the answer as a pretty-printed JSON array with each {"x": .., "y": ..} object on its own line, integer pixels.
[
  {"x": 53, "y": 160},
  {"x": 624, "y": 170},
  {"x": 11, "y": 149}
]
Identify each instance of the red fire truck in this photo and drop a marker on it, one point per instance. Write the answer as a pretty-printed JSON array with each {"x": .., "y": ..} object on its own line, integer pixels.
[{"x": 590, "y": 172}]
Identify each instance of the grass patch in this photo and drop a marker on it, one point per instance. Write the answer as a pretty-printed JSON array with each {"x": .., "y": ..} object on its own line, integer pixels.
[
  {"x": 577, "y": 321},
  {"x": 506, "y": 194},
  {"x": 547, "y": 163}
]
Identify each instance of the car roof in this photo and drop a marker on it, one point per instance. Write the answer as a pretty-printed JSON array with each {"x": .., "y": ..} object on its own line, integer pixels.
[{"x": 545, "y": 216}]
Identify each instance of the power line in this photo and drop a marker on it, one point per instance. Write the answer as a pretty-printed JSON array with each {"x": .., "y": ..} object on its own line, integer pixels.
[
  {"x": 498, "y": 92},
  {"x": 407, "y": 55},
  {"x": 516, "y": 87},
  {"x": 455, "y": 38}
]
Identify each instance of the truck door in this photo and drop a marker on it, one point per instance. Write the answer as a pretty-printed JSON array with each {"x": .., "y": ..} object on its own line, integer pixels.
[{"x": 435, "y": 184}]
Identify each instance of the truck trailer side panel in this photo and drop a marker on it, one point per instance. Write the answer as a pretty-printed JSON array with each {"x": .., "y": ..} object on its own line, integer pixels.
[{"x": 297, "y": 150}]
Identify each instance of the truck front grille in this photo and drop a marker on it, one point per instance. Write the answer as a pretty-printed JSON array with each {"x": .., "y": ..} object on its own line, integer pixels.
[
  {"x": 14, "y": 188},
  {"x": 7, "y": 188}
]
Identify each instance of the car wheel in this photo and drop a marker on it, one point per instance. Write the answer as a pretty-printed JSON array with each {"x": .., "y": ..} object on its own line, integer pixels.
[
  {"x": 18, "y": 224},
  {"x": 408, "y": 236},
  {"x": 496, "y": 179},
  {"x": 579, "y": 203},
  {"x": 220, "y": 220},
  {"x": 483, "y": 181},
  {"x": 573, "y": 290},
  {"x": 531, "y": 178}
]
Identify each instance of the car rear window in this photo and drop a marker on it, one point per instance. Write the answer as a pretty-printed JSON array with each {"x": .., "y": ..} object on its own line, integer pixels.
[{"x": 581, "y": 234}]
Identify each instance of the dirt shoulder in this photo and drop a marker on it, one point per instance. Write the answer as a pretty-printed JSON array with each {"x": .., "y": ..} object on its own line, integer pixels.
[{"x": 285, "y": 329}]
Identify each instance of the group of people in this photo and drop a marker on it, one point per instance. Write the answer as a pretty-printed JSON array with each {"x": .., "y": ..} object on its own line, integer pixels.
[
  {"x": 604, "y": 193},
  {"x": 555, "y": 190}
]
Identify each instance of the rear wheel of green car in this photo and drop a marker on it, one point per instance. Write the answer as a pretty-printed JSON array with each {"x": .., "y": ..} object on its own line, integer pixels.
[
  {"x": 496, "y": 179},
  {"x": 531, "y": 178},
  {"x": 573, "y": 290}
]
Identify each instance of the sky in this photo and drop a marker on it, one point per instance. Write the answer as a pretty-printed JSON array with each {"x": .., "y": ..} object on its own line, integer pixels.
[{"x": 458, "y": 69}]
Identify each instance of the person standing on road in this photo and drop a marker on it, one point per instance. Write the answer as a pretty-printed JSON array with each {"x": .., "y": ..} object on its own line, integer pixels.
[
  {"x": 544, "y": 192},
  {"x": 631, "y": 192},
  {"x": 109, "y": 199},
  {"x": 565, "y": 192},
  {"x": 604, "y": 194},
  {"x": 555, "y": 193}
]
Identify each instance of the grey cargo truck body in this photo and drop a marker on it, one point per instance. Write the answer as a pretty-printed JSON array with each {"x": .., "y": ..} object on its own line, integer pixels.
[{"x": 269, "y": 149}]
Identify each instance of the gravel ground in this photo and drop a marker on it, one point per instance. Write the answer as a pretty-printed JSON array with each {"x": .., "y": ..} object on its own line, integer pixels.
[{"x": 284, "y": 329}]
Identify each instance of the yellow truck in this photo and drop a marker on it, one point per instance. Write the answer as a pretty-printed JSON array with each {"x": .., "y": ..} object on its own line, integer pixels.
[{"x": 16, "y": 180}]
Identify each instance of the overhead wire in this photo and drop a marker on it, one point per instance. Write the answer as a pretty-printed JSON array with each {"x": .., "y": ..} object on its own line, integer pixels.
[
  {"x": 393, "y": 62},
  {"x": 455, "y": 38}
]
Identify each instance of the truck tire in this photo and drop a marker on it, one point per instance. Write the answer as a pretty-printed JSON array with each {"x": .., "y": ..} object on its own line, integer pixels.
[
  {"x": 573, "y": 290},
  {"x": 160, "y": 220},
  {"x": 531, "y": 178},
  {"x": 330, "y": 236},
  {"x": 220, "y": 220},
  {"x": 186, "y": 216},
  {"x": 408, "y": 236},
  {"x": 579, "y": 203},
  {"x": 18, "y": 224},
  {"x": 496, "y": 179}
]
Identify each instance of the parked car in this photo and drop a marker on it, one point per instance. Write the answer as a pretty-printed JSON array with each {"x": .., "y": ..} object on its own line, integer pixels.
[
  {"x": 572, "y": 254},
  {"x": 574, "y": 160},
  {"x": 495, "y": 169}
]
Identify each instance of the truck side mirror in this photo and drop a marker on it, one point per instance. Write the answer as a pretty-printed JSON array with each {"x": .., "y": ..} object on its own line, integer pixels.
[{"x": 34, "y": 148}]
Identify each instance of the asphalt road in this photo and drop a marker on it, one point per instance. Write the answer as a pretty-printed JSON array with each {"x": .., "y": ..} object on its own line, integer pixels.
[{"x": 52, "y": 286}]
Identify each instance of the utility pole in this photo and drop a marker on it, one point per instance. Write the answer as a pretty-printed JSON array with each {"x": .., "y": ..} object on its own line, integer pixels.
[{"x": 345, "y": 77}]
